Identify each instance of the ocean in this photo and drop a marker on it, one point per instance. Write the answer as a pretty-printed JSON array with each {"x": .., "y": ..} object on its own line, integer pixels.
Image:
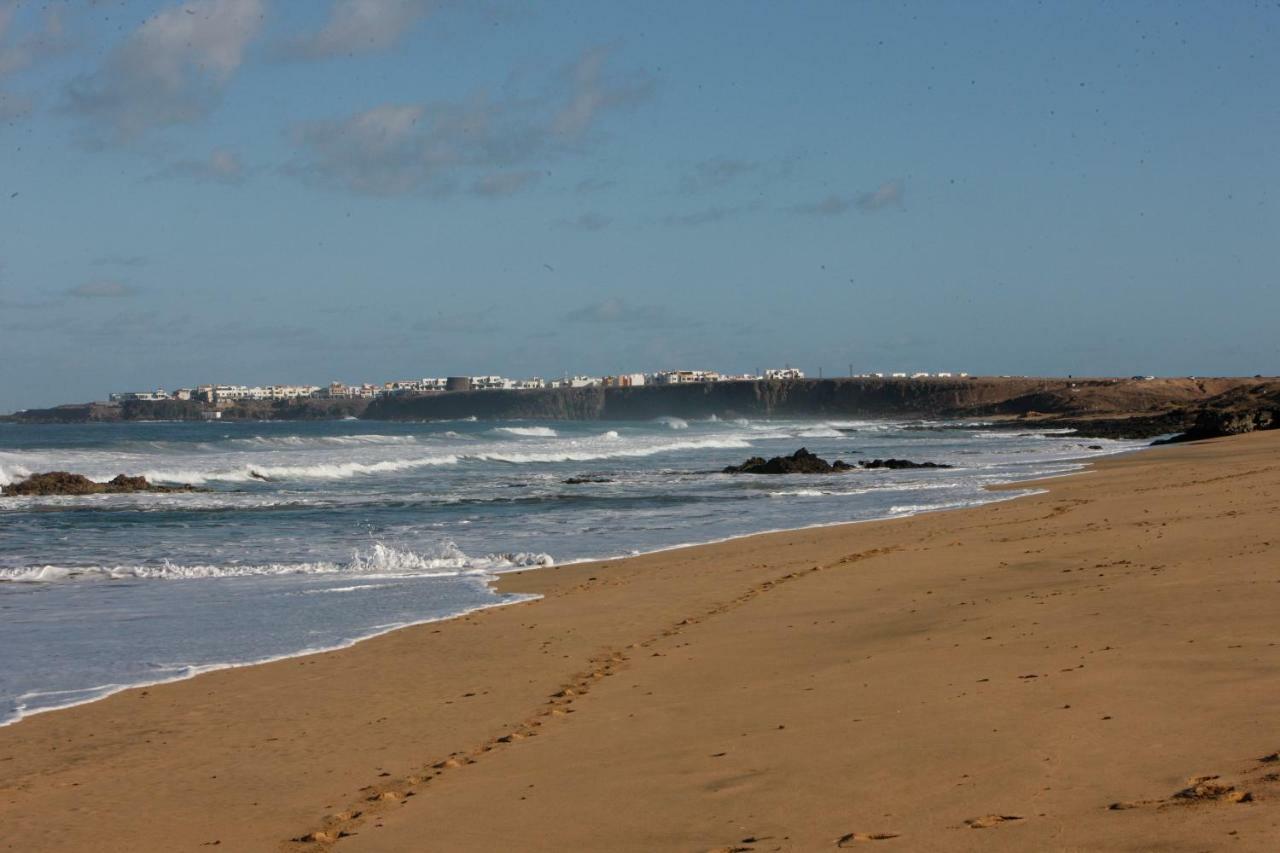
[{"x": 314, "y": 535}]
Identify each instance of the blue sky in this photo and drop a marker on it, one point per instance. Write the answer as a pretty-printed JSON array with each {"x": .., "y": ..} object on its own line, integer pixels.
[{"x": 257, "y": 191}]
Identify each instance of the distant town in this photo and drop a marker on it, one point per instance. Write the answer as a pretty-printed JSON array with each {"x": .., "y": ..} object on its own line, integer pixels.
[{"x": 216, "y": 394}]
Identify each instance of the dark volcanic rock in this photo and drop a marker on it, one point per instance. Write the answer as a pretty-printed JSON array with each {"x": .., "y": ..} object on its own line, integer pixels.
[
  {"x": 1219, "y": 423},
  {"x": 800, "y": 462},
  {"x": 577, "y": 481},
  {"x": 897, "y": 464},
  {"x": 64, "y": 483}
]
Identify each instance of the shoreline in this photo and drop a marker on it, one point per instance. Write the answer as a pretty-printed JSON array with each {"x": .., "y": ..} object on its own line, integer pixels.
[
  {"x": 492, "y": 582},
  {"x": 1014, "y": 668},
  {"x": 204, "y": 669}
]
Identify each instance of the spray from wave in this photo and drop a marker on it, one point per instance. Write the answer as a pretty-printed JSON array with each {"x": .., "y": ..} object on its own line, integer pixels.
[
  {"x": 533, "y": 432},
  {"x": 446, "y": 560}
]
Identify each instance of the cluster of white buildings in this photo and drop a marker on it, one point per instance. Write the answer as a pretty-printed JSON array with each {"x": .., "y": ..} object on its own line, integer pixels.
[
  {"x": 918, "y": 375},
  {"x": 217, "y": 395}
]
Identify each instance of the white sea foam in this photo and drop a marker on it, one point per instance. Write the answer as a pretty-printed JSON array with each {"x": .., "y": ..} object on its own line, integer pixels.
[
  {"x": 13, "y": 473},
  {"x": 320, "y": 471},
  {"x": 534, "y": 432},
  {"x": 587, "y": 454},
  {"x": 672, "y": 423},
  {"x": 301, "y": 441},
  {"x": 381, "y": 561},
  {"x": 820, "y": 432}
]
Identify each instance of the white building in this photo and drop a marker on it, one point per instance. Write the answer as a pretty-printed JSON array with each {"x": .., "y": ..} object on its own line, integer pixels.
[
  {"x": 288, "y": 392},
  {"x": 784, "y": 373},
  {"x": 228, "y": 393},
  {"x": 123, "y": 396},
  {"x": 682, "y": 377},
  {"x": 489, "y": 383}
]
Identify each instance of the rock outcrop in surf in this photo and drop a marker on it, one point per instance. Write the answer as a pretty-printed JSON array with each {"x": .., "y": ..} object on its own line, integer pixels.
[
  {"x": 64, "y": 483},
  {"x": 800, "y": 462}
]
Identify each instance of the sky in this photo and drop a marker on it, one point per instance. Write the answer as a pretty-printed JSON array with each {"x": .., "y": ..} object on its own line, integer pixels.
[{"x": 259, "y": 191}]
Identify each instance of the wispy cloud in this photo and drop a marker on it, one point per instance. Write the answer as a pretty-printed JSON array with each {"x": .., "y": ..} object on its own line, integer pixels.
[
  {"x": 170, "y": 71},
  {"x": 888, "y": 194},
  {"x": 222, "y": 166},
  {"x": 832, "y": 205},
  {"x": 617, "y": 311},
  {"x": 465, "y": 323},
  {"x": 701, "y": 217},
  {"x": 408, "y": 148},
  {"x": 715, "y": 173},
  {"x": 19, "y": 52},
  {"x": 590, "y": 221},
  {"x": 358, "y": 27},
  {"x": 103, "y": 289},
  {"x": 500, "y": 184}
]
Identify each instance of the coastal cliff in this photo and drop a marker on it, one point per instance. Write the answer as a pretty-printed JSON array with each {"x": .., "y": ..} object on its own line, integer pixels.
[
  {"x": 969, "y": 397},
  {"x": 1100, "y": 407},
  {"x": 189, "y": 410}
]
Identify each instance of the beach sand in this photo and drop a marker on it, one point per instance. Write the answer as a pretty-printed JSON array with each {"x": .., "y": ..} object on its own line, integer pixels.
[{"x": 1091, "y": 668}]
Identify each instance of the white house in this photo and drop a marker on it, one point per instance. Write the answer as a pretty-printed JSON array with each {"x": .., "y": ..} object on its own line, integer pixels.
[
  {"x": 122, "y": 396},
  {"x": 681, "y": 377},
  {"x": 784, "y": 373}
]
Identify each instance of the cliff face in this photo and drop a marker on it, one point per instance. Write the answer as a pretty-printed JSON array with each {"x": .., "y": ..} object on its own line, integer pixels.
[
  {"x": 186, "y": 410},
  {"x": 811, "y": 398}
]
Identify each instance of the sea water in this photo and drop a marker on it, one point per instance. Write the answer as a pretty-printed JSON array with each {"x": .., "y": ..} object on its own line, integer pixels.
[{"x": 314, "y": 535}]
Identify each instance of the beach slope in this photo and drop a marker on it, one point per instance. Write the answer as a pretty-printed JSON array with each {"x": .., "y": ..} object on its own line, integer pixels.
[{"x": 1090, "y": 668}]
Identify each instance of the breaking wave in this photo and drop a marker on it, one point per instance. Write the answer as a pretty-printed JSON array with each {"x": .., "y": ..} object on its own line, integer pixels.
[
  {"x": 672, "y": 423},
  {"x": 820, "y": 432},
  {"x": 321, "y": 440},
  {"x": 447, "y": 560},
  {"x": 534, "y": 432}
]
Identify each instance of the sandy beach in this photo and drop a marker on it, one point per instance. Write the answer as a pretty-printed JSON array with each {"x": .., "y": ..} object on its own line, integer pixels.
[{"x": 1089, "y": 668}]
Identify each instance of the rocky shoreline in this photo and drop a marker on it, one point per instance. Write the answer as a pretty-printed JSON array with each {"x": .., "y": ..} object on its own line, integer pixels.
[
  {"x": 65, "y": 483},
  {"x": 805, "y": 462}
]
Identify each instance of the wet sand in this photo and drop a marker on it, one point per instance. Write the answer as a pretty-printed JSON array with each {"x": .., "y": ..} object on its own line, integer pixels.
[{"x": 1092, "y": 668}]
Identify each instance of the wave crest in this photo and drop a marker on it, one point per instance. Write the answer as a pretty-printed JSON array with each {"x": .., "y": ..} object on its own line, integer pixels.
[
  {"x": 446, "y": 560},
  {"x": 532, "y": 432}
]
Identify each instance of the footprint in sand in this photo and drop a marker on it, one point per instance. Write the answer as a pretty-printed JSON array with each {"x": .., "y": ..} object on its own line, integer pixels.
[
  {"x": 849, "y": 839},
  {"x": 1199, "y": 789},
  {"x": 990, "y": 820}
]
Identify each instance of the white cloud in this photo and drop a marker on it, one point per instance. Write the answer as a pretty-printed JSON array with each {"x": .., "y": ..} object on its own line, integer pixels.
[
  {"x": 359, "y": 26},
  {"x": 887, "y": 194},
  {"x": 491, "y": 144},
  {"x": 20, "y": 52},
  {"x": 591, "y": 92},
  {"x": 221, "y": 166},
  {"x": 171, "y": 70}
]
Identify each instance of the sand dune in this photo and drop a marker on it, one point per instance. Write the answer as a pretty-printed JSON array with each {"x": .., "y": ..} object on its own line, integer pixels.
[{"x": 1092, "y": 668}]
